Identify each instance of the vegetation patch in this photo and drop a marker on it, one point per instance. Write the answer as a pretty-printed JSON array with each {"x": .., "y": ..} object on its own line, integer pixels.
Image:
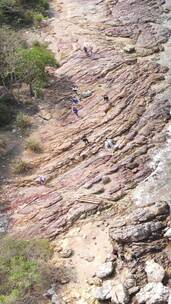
[
  {"x": 23, "y": 121},
  {"x": 22, "y": 12},
  {"x": 22, "y": 167},
  {"x": 24, "y": 272},
  {"x": 20, "y": 64},
  {"x": 33, "y": 145}
]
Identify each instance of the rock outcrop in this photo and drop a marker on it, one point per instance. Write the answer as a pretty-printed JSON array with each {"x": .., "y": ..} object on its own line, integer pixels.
[
  {"x": 153, "y": 293},
  {"x": 155, "y": 272}
]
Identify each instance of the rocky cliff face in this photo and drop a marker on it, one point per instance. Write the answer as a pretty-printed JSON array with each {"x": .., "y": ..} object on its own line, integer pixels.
[{"x": 128, "y": 49}]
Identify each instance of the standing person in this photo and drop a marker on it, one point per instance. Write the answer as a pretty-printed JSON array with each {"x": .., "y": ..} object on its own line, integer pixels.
[
  {"x": 75, "y": 89},
  {"x": 106, "y": 98},
  {"x": 109, "y": 144},
  {"x": 86, "y": 50},
  {"x": 75, "y": 111},
  {"x": 85, "y": 140},
  {"x": 74, "y": 100},
  {"x": 42, "y": 180}
]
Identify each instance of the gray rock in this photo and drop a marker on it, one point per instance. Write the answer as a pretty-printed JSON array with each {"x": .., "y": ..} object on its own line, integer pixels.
[
  {"x": 51, "y": 293},
  {"x": 104, "y": 292},
  {"x": 55, "y": 299},
  {"x": 105, "y": 270},
  {"x": 106, "y": 180},
  {"x": 129, "y": 49},
  {"x": 168, "y": 233},
  {"x": 66, "y": 253},
  {"x": 137, "y": 233},
  {"x": 86, "y": 94},
  {"x": 153, "y": 293},
  {"x": 44, "y": 23},
  {"x": 169, "y": 302},
  {"x": 145, "y": 214},
  {"x": 130, "y": 282},
  {"x": 155, "y": 272},
  {"x": 4, "y": 221},
  {"x": 119, "y": 294},
  {"x": 133, "y": 290}
]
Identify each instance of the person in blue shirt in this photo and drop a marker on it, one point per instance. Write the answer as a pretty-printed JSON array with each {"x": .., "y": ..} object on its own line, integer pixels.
[
  {"x": 74, "y": 100},
  {"x": 75, "y": 111}
]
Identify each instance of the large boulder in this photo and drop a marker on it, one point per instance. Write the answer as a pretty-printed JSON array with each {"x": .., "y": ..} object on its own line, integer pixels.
[
  {"x": 153, "y": 293},
  {"x": 119, "y": 294},
  {"x": 105, "y": 270},
  {"x": 137, "y": 233},
  {"x": 158, "y": 210},
  {"x": 155, "y": 272}
]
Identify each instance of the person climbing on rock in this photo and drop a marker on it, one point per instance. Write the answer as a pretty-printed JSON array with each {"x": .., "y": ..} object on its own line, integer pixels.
[
  {"x": 106, "y": 98},
  {"x": 41, "y": 180},
  {"x": 75, "y": 89},
  {"x": 75, "y": 111},
  {"x": 86, "y": 50},
  {"x": 85, "y": 140},
  {"x": 74, "y": 100},
  {"x": 109, "y": 144}
]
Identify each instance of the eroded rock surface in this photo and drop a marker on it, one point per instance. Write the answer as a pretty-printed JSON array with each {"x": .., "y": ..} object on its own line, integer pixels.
[
  {"x": 124, "y": 40},
  {"x": 134, "y": 117}
]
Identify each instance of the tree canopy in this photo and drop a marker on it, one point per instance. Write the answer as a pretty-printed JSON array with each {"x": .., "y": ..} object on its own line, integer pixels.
[
  {"x": 21, "y": 12},
  {"x": 20, "y": 64}
]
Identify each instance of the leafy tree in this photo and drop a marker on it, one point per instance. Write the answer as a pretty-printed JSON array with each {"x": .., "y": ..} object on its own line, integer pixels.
[
  {"x": 31, "y": 68},
  {"x": 10, "y": 42},
  {"x": 19, "y": 64}
]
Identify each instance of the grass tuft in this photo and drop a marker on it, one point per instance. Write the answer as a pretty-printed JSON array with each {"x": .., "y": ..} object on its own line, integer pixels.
[
  {"x": 33, "y": 145},
  {"x": 22, "y": 167},
  {"x": 23, "y": 121}
]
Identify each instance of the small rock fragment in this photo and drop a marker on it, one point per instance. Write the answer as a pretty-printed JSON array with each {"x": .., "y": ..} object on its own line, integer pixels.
[
  {"x": 119, "y": 294},
  {"x": 168, "y": 234},
  {"x": 89, "y": 259},
  {"x": 155, "y": 272},
  {"x": 95, "y": 281},
  {"x": 129, "y": 48},
  {"x": 104, "y": 292},
  {"x": 105, "y": 270},
  {"x": 86, "y": 94},
  {"x": 106, "y": 180},
  {"x": 133, "y": 290},
  {"x": 66, "y": 253}
]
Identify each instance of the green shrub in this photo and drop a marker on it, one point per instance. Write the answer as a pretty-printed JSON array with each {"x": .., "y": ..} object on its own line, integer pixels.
[
  {"x": 29, "y": 16},
  {"x": 23, "y": 269},
  {"x": 38, "y": 18},
  {"x": 32, "y": 66},
  {"x": 23, "y": 121},
  {"x": 22, "y": 167},
  {"x": 21, "y": 12},
  {"x": 33, "y": 145}
]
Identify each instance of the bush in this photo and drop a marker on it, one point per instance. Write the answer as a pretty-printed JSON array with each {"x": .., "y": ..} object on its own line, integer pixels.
[
  {"x": 21, "y": 12},
  {"x": 32, "y": 66},
  {"x": 23, "y": 121},
  {"x": 38, "y": 19},
  {"x": 23, "y": 269},
  {"x": 22, "y": 167},
  {"x": 33, "y": 145}
]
